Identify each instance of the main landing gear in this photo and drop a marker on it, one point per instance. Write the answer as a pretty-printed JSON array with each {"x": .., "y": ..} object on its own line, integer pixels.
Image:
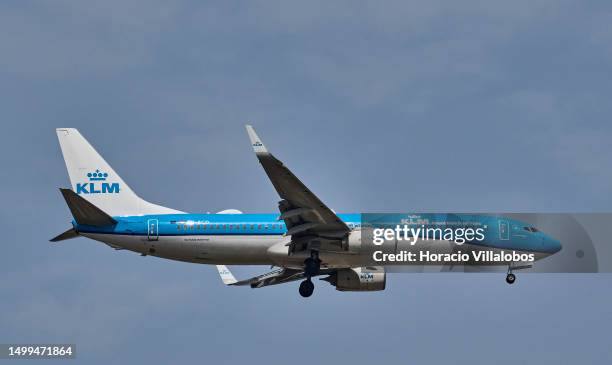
[
  {"x": 510, "y": 278},
  {"x": 306, "y": 288},
  {"x": 312, "y": 266}
]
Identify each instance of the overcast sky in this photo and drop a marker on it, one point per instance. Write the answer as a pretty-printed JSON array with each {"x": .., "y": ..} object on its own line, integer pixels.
[{"x": 410, "y": 106}]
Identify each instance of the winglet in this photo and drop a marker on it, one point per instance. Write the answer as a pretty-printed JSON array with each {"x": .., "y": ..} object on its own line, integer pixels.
[
  {"x": 258, "y": 146},
  {"x": 226, "y": 276}
]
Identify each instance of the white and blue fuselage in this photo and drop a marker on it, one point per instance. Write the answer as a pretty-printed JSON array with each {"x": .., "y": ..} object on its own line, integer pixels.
[{"x": 259, "y": 239}]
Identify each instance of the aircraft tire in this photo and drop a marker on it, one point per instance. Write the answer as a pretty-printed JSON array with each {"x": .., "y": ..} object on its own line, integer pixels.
[{"x": 306, "y": 288}]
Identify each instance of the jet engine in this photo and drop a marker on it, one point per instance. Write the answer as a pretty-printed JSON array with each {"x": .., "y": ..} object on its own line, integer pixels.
[
  {"x": 352, "y": 242},
  {"x": 370, "y": 278}
]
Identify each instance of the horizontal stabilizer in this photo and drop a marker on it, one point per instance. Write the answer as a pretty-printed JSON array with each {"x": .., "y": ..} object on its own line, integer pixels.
[
  {"x": 71, "y": 233},
  {"x": 85, "y": 212}
]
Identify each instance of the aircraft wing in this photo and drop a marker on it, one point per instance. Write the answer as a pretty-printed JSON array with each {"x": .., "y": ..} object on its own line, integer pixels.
[
  {"x": 278, "y": 276},
  {"x": 309, "y": 221}
]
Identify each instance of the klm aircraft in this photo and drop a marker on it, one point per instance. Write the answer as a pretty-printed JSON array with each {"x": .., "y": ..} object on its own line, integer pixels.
[{"x": 304, "y": 240}]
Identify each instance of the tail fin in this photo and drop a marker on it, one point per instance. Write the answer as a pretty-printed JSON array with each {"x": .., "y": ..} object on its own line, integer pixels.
[{"x": 95, "y": 180}]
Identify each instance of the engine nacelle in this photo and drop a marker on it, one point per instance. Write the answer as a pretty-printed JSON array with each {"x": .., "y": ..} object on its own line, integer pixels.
[
  {"x": 352, "y": 242},
  {"x": 371, "y": 278}
]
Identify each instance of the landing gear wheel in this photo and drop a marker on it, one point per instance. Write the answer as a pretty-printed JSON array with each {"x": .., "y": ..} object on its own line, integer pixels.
[
  {"x": 510, "y": 279},
  {"x": 306, "y": 288}
]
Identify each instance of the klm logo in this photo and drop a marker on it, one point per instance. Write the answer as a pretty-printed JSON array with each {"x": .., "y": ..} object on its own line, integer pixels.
[
  {"x": 97, "y": 184},
  {"x": 366, "y": 276}
]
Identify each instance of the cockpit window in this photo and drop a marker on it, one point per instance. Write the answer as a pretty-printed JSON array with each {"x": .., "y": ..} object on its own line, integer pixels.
[{"x": 530, "y": 229}]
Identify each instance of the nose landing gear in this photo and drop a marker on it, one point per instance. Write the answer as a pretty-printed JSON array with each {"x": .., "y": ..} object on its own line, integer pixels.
[
  {"x": 312, "y": 266},
  {"x": 511, "y": 278}
]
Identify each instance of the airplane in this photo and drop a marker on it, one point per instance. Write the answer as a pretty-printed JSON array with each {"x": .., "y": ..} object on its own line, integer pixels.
[{"x": 305, "y": 239}]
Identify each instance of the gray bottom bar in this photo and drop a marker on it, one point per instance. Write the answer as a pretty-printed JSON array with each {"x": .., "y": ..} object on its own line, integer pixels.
[{"x": 37, "y": 351}]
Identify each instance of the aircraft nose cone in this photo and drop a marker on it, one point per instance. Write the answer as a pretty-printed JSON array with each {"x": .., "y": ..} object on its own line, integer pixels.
[{"x": 553, "y": 245}]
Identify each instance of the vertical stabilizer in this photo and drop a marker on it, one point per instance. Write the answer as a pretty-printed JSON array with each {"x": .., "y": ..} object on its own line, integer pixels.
[{"x": 94, "y": 179}]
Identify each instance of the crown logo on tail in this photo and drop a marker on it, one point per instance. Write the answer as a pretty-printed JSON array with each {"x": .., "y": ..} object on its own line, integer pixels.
[{"x": 97, "y": 175}]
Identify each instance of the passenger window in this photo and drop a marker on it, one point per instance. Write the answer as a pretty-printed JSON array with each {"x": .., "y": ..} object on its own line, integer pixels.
[
  {"x": 252, "y": 226},
  {"x": 259, "y": 226},
  {"x": 231, "y": 226}
]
